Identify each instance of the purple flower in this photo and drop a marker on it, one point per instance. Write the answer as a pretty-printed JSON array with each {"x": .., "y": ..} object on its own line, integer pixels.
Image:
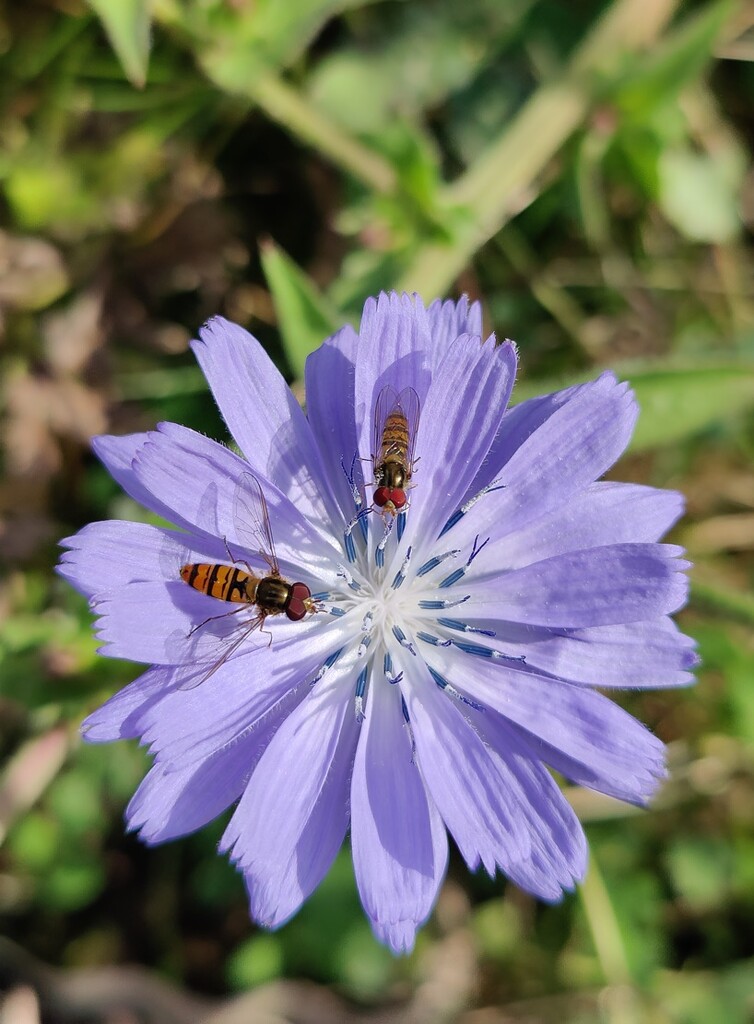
[{"x": 457, "y": 645}]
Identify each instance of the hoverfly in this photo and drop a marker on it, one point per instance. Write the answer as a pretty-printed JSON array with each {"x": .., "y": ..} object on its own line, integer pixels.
[
  {"x": 396, "y": 419},
  {"x": 270, "y": 594}
]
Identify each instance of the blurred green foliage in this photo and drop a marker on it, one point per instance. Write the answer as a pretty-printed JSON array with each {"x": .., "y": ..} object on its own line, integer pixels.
[{"x": 585, "y": 169}]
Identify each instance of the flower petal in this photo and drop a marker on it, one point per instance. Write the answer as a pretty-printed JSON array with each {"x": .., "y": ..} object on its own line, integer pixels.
[
  {"x": 120, "y": 717},
  {"x": 600, "y": 515},
  {"x": 635, "y": 655},
  {"x": 262, "y": 414},
  {"x": 450, "y": 320},
  {"x": 292, "y": 818},
  {"x": 107, "y": 556},
  {"x": 198, "y": 480},
  {"x": 334, "y": 417},
  {"x": 474, "y": 792},
  {"x": 190, "y": 724},
  {"x": 547, "y": 450},
  {"x": 597, "y": 587},
  {"x": 579, "y": 723},
  {"x": 461, "y": 416},
  {"x": 172, "y": 802},
  {"x": 400, "y": 849}
]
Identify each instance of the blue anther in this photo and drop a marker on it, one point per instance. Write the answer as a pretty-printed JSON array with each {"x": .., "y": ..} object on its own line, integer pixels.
[
  {"x": 323, "y": 595},
  {"x": 404, "y": 709},
  {"x": 452, "y": 691},
  {"x": 364, "y": 526},
  {"x": 400, "y": 576},
  {"x": 400, "y": 636},
  {"x": 349, "y": 546},
  {"x": 454, "y": 577},
  {"x": 461, "y": 512},
  {"x": 428, "y": 638},
  {"x": 387, "y": 663},
  {"x": 455, "y": 518},
  {"x": 361, "y": 683},
  {"x": 437, "y": 605},
  {"x": 401, "y": 524},
  {"x": 436, "y": 560},
  {"x": 469, "y": 648},
  {"x": 464, "y": 627},
  {"x": 379, "y": 556},
  {"x": 337, "y": 612},
  {"x": 329, "y": 662}
]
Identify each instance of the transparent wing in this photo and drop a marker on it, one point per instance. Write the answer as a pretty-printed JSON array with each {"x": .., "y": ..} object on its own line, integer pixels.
[
  {"x": 252, "y": 520},
  {"x": 409, "y": 404},
  {"x": 385, "y": 404},
  {"x": 212, "y": 650}
]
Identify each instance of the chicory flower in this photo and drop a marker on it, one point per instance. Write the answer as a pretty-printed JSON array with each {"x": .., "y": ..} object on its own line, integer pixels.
[{"x": 457, "y": 643}]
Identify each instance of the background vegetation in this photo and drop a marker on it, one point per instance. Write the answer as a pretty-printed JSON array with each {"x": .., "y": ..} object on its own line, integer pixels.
[{"x": 583, "y": 167}]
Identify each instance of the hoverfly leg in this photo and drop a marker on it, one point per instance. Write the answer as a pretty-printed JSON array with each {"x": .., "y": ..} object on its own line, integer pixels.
[
  {"x": 232, "y": 557},
  {"x": 212, "y": 618}
]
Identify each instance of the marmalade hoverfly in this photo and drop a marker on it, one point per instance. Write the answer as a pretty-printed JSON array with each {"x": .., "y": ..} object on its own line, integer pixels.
[
  {"x": 396, "y": 419},
  {"x": 270, "y": 594}
]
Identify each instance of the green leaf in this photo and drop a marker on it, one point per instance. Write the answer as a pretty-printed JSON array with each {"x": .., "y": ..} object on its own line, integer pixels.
[
  {"x": 305, "y": 318},
  {"x": 675, "y": 402},
  {"x": 127, "y": 25},
  {"x": 699, "y": 193},
  {"x": 679, "y": 403},
  {"x": 677, "y": 61}
]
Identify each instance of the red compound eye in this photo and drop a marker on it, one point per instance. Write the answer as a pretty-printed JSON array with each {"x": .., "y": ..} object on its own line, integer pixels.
[
  {"x": 398, "y": 497},
  {"x": 296, "y": 607},
  {"x": 300, "y": 591},
  {"x": 382, "y": 496}
]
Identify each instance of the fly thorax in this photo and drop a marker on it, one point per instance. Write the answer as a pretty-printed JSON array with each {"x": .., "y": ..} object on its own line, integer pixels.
[{"x": 272, "y": 594}]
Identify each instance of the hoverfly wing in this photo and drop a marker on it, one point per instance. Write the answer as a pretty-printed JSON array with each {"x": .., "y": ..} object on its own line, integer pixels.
[
  {"x": 385, "y": 404},
  {"x": 252, "y": 520},
  {"x": 212, "y": 651},
  {"x": 408, "y": 403}
]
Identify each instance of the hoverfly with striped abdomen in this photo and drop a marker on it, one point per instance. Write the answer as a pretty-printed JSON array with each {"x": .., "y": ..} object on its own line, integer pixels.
[
  {"x": 269, "y": 594},
  {"x": 396, "y": 420}
]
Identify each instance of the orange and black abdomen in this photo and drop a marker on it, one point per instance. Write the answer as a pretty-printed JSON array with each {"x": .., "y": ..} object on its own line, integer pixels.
[
  {"x": 225, "y": 582},
  {"x": 395, "y": 439}
]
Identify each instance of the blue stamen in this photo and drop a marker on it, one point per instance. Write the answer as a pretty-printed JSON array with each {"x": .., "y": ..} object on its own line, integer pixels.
[
  {"x": 464, "y": 627},
  {"x": 437, "y": 605},
  {"x": 461, "y": 512},
  {"x": 452, "y": 692},
  {"x": 401, "y": 574},
  {"x": 404, "y": 709},
  {"x": 428, "y": 638},
  {"x": 401, "y": 524},
  {"x": 454, "y": 577},
  {"x": 337, "y": 612},
  {"x": 349, "y": 545},
  {"x": 361, "y": 683},
  {"x": 435, "y": 561},
  {"x": 387, "y": 663},
  {"x": 328, "y": 663},
  {"x": 323, "y": 595},
  {"x": 345, "y": 575},
  {"x": 363, "y": 646},
  {"x": 458, "y": 574},
  {"x": 400, "y": 636},
  {"x": 379, "y": 555},
  {"x": 486, "y": 652}
]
